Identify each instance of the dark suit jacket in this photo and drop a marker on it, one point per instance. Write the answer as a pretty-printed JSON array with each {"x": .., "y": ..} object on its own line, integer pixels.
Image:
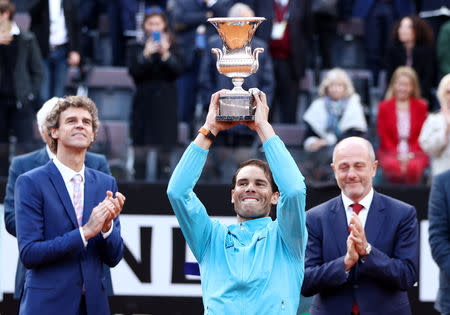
[
  {"x": 40, "y": 23},
  {"x": 28, "y": 71},
  {"x": 423, "y": 62},
  {"x": 361, "y": 8},
  {"x": 300, "y": 29},
  {"x": 187, "y": 15},
  {"x": 22, "y": 164},
  {"x": 439, "y": 236},
  {"x": 51, "y": 247},
  {"x": 379, "y": 284}
]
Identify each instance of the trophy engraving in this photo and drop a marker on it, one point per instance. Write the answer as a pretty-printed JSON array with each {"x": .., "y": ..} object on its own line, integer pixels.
[{"x": 236, "y": 61}]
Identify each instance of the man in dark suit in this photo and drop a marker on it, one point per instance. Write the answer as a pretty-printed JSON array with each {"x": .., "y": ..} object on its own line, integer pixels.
[
  {"x": 24, "y": 163},
  {"x": 439, "y": 231},
  {"x": 57, "y": 28},
  {"x": 363, "y": 247},
  {"x": 61, "y": 208}
]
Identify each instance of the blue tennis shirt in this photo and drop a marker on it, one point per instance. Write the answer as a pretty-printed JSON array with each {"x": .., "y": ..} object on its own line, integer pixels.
[{"x": 253, "y": 267}]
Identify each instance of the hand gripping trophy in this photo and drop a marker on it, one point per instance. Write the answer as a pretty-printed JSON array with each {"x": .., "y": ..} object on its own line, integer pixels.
[{"x": 236, "y": 61}]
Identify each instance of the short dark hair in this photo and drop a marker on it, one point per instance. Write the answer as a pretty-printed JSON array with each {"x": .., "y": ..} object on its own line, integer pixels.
[
  {"x": 64, "y": 103},
  {"x": 7, "y": 6},
  {"x": 262, "y": 165}
]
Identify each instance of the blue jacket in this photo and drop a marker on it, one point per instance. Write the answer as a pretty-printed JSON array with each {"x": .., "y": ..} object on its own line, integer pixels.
[
  {"x": 51, "y": 247},
  {"x": 361, "y": 8},
  {"x": 22, "y": 164},
  {"x": 439, "y": 236},
  {"x": 254, "y": 267},
  {"x": 380, "y": 284}
]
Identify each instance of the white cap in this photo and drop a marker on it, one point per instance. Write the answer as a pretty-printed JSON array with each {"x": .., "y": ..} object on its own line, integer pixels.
[{"x": 42, "y": 114}]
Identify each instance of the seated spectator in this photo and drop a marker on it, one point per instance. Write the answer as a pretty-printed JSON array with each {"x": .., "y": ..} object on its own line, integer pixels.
[
  {"x": 335, "y": 115},
  {"x": 412, "y": 45},
  {"x": 400, "y": 119},
  {"x": 434, "y": 137},
  {"x": 154, "y": 65}
]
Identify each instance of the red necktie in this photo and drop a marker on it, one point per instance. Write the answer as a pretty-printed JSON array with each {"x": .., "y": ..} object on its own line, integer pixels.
[{"x": 356, "y": 209}]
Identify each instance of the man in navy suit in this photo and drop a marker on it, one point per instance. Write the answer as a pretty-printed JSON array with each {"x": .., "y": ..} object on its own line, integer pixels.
[
  {"x": 67, "y": 219},
  {"x": 27, "y": 162},
  {"x": 439, "y": 231},
  {"x": 363, "y": 247}
]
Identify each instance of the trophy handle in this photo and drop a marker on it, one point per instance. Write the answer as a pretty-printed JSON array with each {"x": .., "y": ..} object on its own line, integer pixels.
[
  {"x": 256, "y": 52},
  {"x": 219, "y": 54}
]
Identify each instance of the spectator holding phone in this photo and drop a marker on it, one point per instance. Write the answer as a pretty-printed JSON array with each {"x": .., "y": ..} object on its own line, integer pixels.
[{"x": 154, "y": 65}]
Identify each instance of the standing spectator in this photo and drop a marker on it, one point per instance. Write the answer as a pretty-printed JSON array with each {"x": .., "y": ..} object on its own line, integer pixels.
[
  {"x": 21, "y": 74},
  {"x": 154, "y": 65},
  {"x": 325, "y": 18},
  {"x": 57, "y": 28},
  {"x": 335, "y": 115},
  {"x": 379, "y": 17},
  {"x": 211, "y": 80},
  {"x": 435, "y": 135},
  {"x": 443, "y": 49},
  {"x": 400, "y": 119},
  {"x": 189, "y": 21},
  {"x": 363, "y": 247},
  {"x": 412, "y": 45},
  {"x": 288, "y": 30},
  {"x": 438, "y": 236}
]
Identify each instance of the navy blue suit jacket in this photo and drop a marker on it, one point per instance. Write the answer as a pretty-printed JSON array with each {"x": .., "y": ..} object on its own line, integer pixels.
[
  {"x": 439, "y": 236},
  {"x": 24, "y": 163},
  {"x": 379, "y": 284},
  {"x": 361, "y": 8},
  {"x": 51, "y": 247}
]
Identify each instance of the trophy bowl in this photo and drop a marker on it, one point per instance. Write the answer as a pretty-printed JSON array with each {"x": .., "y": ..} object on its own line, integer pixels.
[{"x": 236, "y": 61}]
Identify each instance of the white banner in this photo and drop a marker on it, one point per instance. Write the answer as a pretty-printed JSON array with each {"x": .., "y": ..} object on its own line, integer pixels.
[{"x": 125, "y": 279}]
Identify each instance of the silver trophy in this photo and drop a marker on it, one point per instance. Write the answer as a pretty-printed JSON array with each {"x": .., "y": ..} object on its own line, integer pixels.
[{"x": 237, "y": 61}]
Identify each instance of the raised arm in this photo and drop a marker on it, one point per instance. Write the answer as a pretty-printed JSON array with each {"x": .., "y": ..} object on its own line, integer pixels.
[
  {"x": 191, "y": 213},
  {"x": 287, "y": 176}
]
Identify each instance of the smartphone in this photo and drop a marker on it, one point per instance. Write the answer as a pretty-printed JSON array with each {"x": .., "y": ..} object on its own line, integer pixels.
[{"x": 156, "y": 36}]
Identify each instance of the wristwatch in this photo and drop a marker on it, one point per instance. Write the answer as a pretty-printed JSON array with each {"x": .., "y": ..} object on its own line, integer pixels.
[
  {"x": 368, "y": 250},
  {"x": 207, "y": 133}
]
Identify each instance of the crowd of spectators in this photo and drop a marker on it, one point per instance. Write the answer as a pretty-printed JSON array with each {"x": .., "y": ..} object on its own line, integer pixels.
[{"x": 175, "y": 74}]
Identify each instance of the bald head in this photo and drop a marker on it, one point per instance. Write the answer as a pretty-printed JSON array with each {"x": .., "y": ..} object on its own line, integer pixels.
[
  {"x": 349, "y": 142},
  {"x": 354, "y": 167},
  {"x": 240, "y": 10},
  {"x": 42, "y": 114}
]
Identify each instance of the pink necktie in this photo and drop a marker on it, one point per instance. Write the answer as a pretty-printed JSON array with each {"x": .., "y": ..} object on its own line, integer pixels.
[{"x": 77, "y": 200}]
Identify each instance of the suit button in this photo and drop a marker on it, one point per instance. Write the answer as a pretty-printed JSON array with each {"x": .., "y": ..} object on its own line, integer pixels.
[
  {"x": 79, "y": 282},
  {"x": 356, "y": 286}
]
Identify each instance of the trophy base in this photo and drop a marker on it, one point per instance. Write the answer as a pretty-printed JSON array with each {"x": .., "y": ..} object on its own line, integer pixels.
[{"x": 236, "y": 108}]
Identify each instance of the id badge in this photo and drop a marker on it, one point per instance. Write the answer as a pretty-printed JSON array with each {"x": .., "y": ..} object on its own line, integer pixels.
[{"x": 278, "y": 30}]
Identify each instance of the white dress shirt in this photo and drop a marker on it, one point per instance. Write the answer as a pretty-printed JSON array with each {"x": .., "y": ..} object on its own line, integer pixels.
[
  {"x": 67, "y": 174},
  {"x": 58, "y": 29},
  {"x": 365, "y": 202}
]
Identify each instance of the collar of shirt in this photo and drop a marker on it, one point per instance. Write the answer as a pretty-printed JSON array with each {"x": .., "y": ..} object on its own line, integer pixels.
[
  {"x": 14, "y": 29},
  {"x": 282, "y": 2},
  {"x": 66, "y": 172},
  {"x": 50, "y": 154},
  {"x": 365, "y": 202}
]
